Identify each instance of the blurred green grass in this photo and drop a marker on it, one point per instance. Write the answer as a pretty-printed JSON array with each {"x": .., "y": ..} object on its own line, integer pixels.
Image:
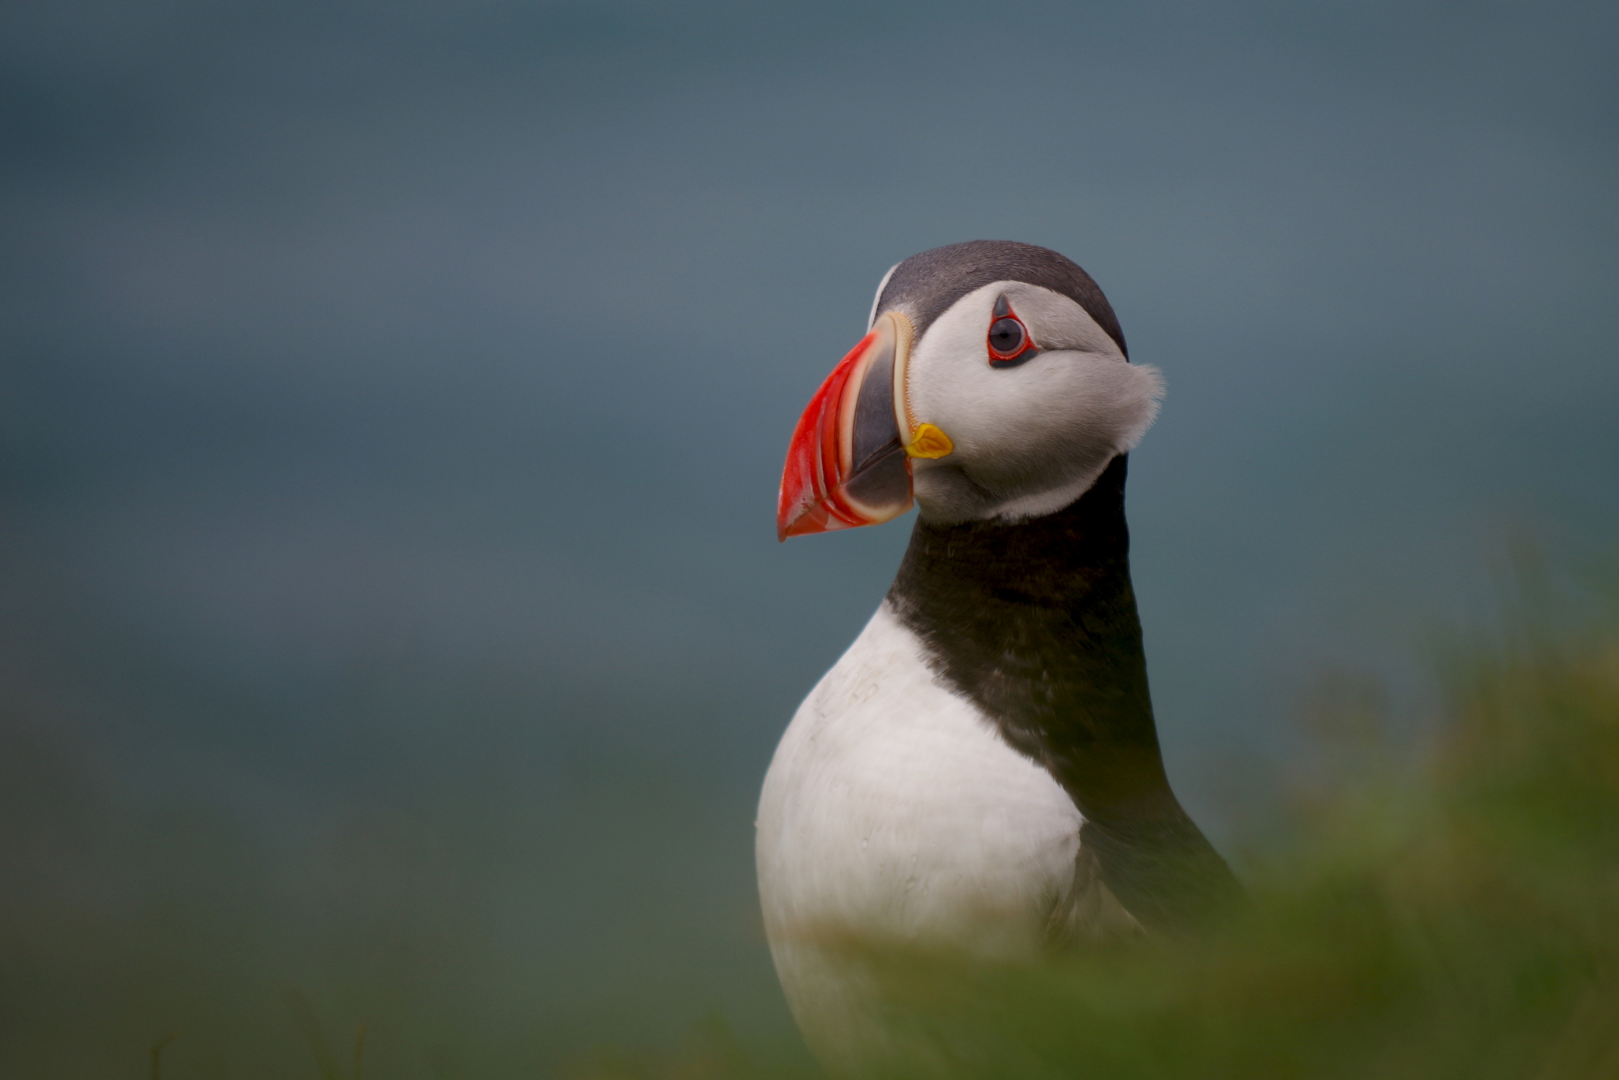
[{"x": 1449, "y": 909}]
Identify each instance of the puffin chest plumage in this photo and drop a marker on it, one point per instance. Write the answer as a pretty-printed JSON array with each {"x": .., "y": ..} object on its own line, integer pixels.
[
  {"x": 893, "y": 808},
  {"x": 894, "y": 812}
]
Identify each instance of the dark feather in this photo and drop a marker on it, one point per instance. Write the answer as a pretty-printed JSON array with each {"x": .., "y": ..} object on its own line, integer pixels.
[{"x": 1035, "y": 622}]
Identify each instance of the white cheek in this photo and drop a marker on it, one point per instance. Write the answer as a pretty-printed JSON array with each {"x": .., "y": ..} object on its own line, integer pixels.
[
  {"x": 1058, "y": 415},
  {"x": 1032, "y": 438}
]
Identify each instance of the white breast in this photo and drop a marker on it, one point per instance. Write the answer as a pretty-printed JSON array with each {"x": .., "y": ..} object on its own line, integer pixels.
[{"x": 893, "y": 811}]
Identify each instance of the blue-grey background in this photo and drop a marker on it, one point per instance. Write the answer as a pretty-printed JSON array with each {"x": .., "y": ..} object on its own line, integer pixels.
[{"x": 392, "y": 400}]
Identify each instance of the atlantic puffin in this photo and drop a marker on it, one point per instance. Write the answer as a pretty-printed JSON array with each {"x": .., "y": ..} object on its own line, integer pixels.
[{"x": 981, "y": 769}]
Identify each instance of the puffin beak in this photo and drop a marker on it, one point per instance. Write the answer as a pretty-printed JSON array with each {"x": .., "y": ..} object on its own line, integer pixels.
[{"x": 849, "y": 462}]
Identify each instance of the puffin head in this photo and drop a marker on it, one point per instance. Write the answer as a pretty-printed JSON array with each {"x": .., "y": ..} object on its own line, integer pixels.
[{"x": 993, "y": 382}]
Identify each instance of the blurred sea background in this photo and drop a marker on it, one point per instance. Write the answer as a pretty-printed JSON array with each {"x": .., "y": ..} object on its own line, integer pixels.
[{"x": 392, "y": 401}]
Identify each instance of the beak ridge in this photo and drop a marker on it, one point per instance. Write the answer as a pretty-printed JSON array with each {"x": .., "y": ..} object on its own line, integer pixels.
[{"x": 846, "y": 464}]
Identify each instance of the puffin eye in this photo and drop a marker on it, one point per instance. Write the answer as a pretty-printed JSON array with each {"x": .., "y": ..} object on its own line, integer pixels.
[
  {"x": 1008, "y": 339},
  {"x": 1005, "y": 337}
]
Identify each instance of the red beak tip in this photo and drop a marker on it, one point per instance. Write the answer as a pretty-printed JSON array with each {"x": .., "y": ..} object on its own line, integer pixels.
[{"x": 797, "y": 526}]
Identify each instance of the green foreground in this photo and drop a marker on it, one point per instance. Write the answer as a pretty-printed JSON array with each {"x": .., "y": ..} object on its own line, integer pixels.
[{"x": 1451, "y": 911}]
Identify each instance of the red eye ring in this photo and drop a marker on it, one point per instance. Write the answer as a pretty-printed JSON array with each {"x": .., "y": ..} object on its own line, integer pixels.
[{"x": 1007, "y": 340}]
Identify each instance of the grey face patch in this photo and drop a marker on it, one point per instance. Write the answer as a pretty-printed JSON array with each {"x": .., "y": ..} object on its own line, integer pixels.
[
  {"x": 926, "y": 285},
  {"x": 879, "y": 476},
  {"x": 874, "y": 423},
  {"x": 884, "y": 479}
]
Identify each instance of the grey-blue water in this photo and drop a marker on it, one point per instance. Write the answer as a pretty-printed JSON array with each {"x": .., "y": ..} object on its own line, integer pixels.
[{"x": 392, "y": 399}]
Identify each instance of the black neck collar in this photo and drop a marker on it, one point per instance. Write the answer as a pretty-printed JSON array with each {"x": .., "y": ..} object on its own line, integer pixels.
[{"x": 1035, "y": 622}]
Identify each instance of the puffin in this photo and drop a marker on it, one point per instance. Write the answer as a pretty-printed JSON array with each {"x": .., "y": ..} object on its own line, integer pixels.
[{"x": 980, "y": 771}]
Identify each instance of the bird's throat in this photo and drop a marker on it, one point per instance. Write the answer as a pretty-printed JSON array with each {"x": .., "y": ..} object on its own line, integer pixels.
[{"x": 1036, "y": 622}]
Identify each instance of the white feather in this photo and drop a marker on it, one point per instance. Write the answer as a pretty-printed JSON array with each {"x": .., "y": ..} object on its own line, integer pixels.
[
  {"x": 893, "y": 811},
  {"x": 877, "y": 297}
]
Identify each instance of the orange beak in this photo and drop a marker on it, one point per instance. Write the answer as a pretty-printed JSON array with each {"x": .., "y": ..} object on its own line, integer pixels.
[{"x": 849, "y": 460}]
